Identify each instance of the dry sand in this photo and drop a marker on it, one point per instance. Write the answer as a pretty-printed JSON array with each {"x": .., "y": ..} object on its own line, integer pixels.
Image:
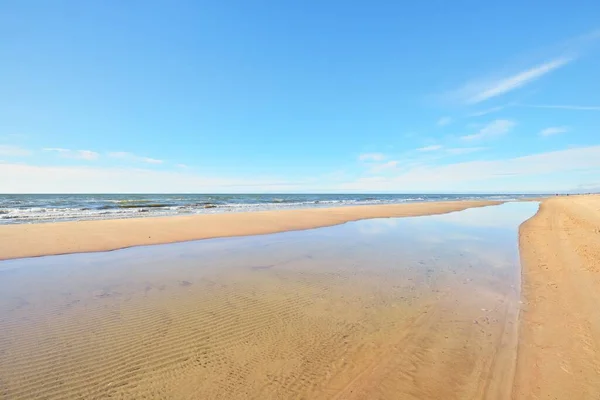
[
  {"x": 559, "y": 350},
  {"x": 31, "y": 240}
]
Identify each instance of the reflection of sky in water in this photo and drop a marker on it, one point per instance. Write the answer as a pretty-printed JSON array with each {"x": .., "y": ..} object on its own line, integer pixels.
[
  {"x": 496, "y": 225},
  {"x": 505, "y": 216},
  {"x": 484, "y": 237}
]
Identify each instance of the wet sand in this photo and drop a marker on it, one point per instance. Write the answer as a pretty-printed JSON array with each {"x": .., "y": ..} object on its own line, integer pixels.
[
  {"x": 410, "y": 308},
  {"x": 559, "y": 351},
  {"x": 31, "y": 240}
]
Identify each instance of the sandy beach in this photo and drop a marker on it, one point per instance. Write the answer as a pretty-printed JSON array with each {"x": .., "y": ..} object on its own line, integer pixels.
[
  {"x": 559, "y": 351},
  {"x": 409, "y": 308},
  {"x": 558, "y": 331},
  {"x": 299, "y": 200},
  {"x": 32, "y": 240}
]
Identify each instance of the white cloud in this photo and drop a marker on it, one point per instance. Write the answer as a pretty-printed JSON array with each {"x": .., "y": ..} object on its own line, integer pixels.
[
  {"x": 181, "y": 166},
  {"x": 444, "y": 121},
  {"x": 26, "y": 178},
  {"x": 14, "y": 151},
  {"x": 87, "y": 155},
  {"x": 383, "y": 167},
  {"x": 371, "y": 157},
  {"x": 515, "y": 174},
  {"x": 430, "y": 148},
  {"x": 487, "y": 111},
  {"x": 464, "y": 150},
  {"x": 501, "y": 86},
  {"x": 492, "y": 86},
  {"x": 554, "y": 130},
  {"x": 151, "y": 160},
  {"x": 480, "y": 90},
  {"x": 123, "y": 155},
  {"x": 552, "y": 171},
  {"x": 495, "y": 128},
  {"x": 120, "y": 154}
]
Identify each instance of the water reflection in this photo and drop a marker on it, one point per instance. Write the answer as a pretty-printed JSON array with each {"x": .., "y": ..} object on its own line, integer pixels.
[
  {"x": 504, "y": 216},
  {"x": 296, "y": 314}
]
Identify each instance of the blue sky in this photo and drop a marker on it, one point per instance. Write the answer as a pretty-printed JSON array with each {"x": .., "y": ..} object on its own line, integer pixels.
[{"x": 299, "y": 96}]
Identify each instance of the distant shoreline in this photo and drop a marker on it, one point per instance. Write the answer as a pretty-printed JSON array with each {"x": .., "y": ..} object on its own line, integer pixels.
[
  {"x": 33, "y": 240},
  {"x": 48, "y": 208}
]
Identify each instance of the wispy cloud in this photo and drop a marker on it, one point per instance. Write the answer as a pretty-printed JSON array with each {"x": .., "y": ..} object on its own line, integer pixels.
[
  {"x": 371, "y": 157},
  {"x": 535, "y": 172},
  {"x": 87, "y": 155},
  {"x": 554, "y": 130},
  {"x": 487, "y": 111},
  {"x": 433, "y": 147},
  {"x": 505, "y": 85},
  {"x": 14, "y": 151},
  {"x": 444, "y": 121},
  {"x": 124, "y": 155},
  {"x": 383, "y": 166},
  {"x": 183, "y": 166},
  {"x": 464, "y": 150},
  {"x": 495, "y": 128},
  {"x": 27, "y": 178},
  {"x": 120, "y": 154},
  {"x": 482, "y": 89},
  {"x": 526, "y": 174},
  {"x": 562, "y": 107}
]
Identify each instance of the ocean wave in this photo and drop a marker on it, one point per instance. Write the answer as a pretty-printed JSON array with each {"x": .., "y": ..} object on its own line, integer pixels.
[
  {"x": 145, "y": 205},
  {"x": 36, "y": 208}
]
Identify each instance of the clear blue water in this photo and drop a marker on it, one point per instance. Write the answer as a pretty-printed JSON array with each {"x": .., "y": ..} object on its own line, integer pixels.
[{"x": 28, "y": 208}]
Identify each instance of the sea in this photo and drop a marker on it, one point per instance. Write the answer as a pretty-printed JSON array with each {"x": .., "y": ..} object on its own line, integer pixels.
[{"x": 35, "y": 208}]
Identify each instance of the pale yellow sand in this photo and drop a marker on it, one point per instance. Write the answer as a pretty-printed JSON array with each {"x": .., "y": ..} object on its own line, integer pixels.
[
  {"x": 74, "y": 237},
  {"x": 303, "y": 321},
  {"x": 329, "y": 335},
  {"x": 559, "y": 351}
]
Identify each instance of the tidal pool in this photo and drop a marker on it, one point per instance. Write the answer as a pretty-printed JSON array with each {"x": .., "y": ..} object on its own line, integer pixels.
[{"x": 398, "y": 308}]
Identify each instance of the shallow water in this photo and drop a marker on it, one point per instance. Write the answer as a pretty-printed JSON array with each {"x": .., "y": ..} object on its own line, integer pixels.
[{"x": 420, "y": 307}]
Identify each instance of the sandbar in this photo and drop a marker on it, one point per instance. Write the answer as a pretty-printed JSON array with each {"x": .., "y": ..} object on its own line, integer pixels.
[
  {"x": 42, "y": 239},
  {"x": 559, "y": 346}
]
